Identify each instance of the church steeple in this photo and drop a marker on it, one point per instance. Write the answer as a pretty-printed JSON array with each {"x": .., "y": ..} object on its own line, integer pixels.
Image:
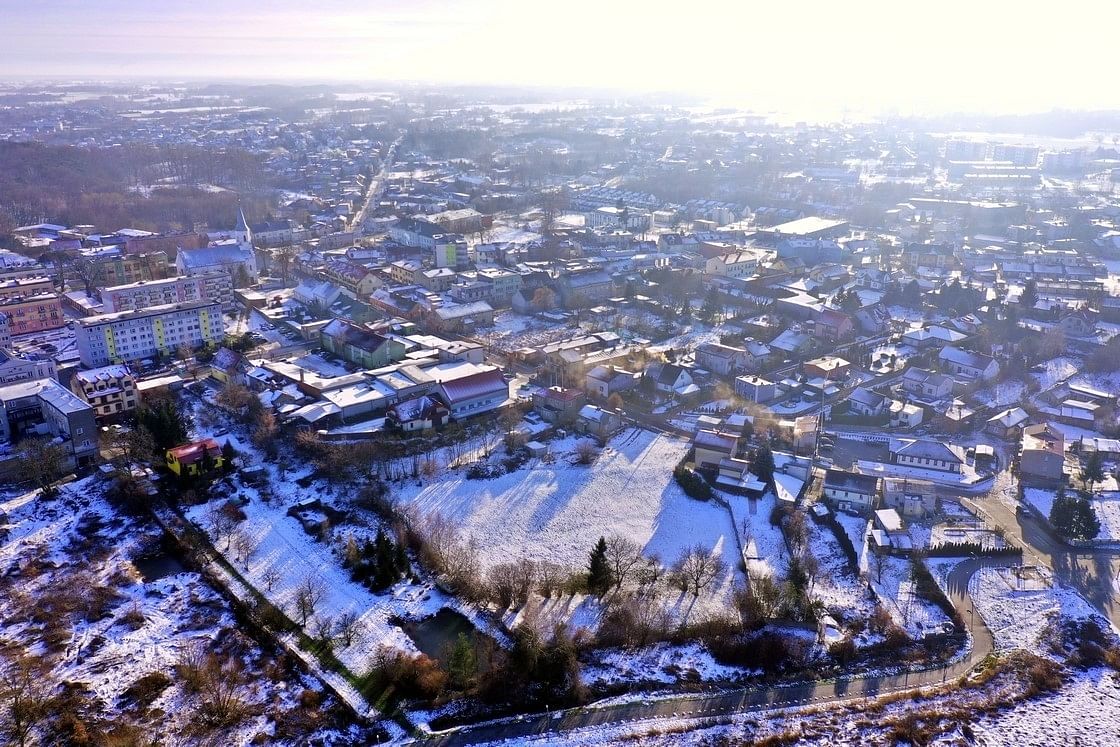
[{"x": 243, "y": 226}]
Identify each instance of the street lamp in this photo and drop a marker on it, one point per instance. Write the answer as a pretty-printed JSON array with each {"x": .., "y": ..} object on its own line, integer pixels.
[{"x": 971, "y": 626}]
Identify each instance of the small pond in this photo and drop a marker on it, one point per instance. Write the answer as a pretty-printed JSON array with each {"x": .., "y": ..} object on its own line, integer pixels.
[
  {"x": 435, "y": 635},
  {"x": 156, "y": 566}
]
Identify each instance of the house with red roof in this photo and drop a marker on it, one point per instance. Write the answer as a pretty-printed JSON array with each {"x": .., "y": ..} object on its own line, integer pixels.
[{"x": 197, "y": 458}]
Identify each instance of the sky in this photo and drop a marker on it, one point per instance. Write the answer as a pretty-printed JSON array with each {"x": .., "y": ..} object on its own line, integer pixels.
[{"x": 910, "y": 57}]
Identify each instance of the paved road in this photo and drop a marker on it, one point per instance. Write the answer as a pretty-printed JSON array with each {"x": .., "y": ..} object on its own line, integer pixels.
[
  {"x": 1093, "y": 572},
  {"x": 377, "y": 185},
  {"x": 743, "y": 700}
]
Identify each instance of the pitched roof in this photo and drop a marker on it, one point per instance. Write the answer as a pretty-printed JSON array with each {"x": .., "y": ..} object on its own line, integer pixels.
[{"x": 853, "y": 482}]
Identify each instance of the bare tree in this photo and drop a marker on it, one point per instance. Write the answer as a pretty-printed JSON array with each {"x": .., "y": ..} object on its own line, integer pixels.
[
  {"x": 220, "y": 522},
  {"x": 879, "y": 561},
  {"x": 271, "y": 576},
  {"x": 797, "y": 533},
  {"x": 324, "y": 628},
  {"x": 26, "y": 698},
  {"x": 346, "y": 627},
  {"x": 696, "y": 569},
  {"x": 550, "y": 578},
  {"x": 308, "y": 596},
  {"x": 42, "y": 461},
  {"x": 244, "y": 544},
  {"x": 623, "y": 556}
]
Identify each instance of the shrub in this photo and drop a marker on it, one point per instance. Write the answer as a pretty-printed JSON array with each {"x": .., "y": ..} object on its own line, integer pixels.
[
  {"x": 692, "y": 483},
  {"x": 146, "y": 690}
]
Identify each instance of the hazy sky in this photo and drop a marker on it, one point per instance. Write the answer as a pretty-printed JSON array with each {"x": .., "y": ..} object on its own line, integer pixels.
[{"x": 938, "y": 54}]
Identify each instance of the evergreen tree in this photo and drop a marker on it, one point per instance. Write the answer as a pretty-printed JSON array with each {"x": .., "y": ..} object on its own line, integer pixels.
[
  {"x": 598, "y": 569},
  {"x": 165, "y": 423},
  {"x": 762, "y": 464},
  {"x": 1093, "y": 471},
  {"x": 1074, "y": 517},
  {"x": 462, "y": 662},
  {"x": 1029, "y": 297}
]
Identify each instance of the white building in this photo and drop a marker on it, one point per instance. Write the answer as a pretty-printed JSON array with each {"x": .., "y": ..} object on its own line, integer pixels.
[
  {"x": 212, "y": 285},
  {"x": 15, "y": 368},
  {"x": 161, "y": 330}
]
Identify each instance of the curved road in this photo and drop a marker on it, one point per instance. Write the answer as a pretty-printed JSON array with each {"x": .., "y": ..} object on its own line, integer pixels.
[{"x": 730, "y": 702}]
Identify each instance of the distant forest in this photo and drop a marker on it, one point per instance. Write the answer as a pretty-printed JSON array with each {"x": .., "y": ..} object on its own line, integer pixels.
[{"x": 107, "y": 187}]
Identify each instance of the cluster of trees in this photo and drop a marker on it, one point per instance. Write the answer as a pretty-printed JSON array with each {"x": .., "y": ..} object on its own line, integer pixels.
[
  {"x": 377, "y": 563},
  {"x": 1073, "y": 516},
  {"x": 692, "y": 483},
  {"x": 80, "y": 185},
  {"x": 261, "y": 421}
]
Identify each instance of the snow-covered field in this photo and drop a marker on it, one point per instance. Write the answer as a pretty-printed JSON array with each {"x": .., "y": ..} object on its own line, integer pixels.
[
  {"x": 557, "y": 511},
  {"x": 1017, "y": 609},
  {"x": 1084, "y": 712}
]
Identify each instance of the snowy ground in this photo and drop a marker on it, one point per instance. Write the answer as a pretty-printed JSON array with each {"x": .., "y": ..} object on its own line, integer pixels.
[
  {"x": 663, "y": 663},
  {"x": 77, "y": 544},
  {"x": 897, "y": 593},
  {"x": 557, "y": 511},
  {"x": 1018, "y": 605}
]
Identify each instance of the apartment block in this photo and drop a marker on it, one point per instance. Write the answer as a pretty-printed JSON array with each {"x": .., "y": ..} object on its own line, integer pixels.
[
  {"x": 214, "y": 286},
  {"x": 126, "y": 336}
]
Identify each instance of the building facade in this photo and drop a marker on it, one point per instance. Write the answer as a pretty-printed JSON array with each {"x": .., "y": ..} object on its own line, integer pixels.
[
  {"x": 149, "y": 333},
  {"x": 204, "y": 286},
  {"x": 109, "y": 390}
]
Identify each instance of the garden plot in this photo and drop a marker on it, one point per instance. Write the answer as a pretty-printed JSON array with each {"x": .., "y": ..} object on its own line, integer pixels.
[
  {"x": 837, "y": 585},
  {"x": 557, "y": 511},
  {"x": 764, "y": 548},
  {"x": 897, "y": 592},
  {"x": 285, "y": 551}
]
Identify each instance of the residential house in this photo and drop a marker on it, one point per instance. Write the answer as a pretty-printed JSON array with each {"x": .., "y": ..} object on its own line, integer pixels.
[
  {"x": 850, "y": 491},
  {"x": 109, "y": 390},
  {"x": 911, "y": 498},
  {"x": 968, "y": 364},
  {"x": 558, "y": 405},
  {"x": 756, "y": 389},
  {"x": 668, "y": 378},
  {"x": 603, "y": 381},
  {"x": 418, "y": 414},
  {"x": 827, "y": 367},
  {"x": 925, "y": 454},
  {"x": 196, "y": 458},
  {"x": 1007, "y": 423},
  {"x": 739, "y": 264},
  {"x": 598, "y": 421},
  {"x": 44, "y": 407},
  {"x": 888, "y": 531},
  {"x": 228, "y": 366},
  {"x": 723, "y": 360},
  {"x": 360, "y": 345},
  {"x": 929, "y": 336},
  {"x": 710, "y": 447},
  {"x": 867, "y": 403},
  {"x": 927, "y": 385},
  {"x": 1042, "y": 456},
  {"x": 833, "y": 325},
  {"x": 468, "y": 388}
]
